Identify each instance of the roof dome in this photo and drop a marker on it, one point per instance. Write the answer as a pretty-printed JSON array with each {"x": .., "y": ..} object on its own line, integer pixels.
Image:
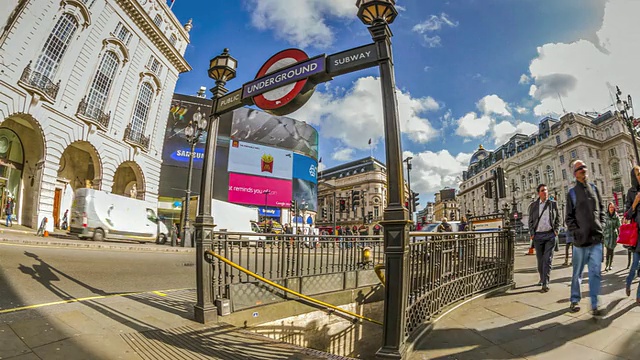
[{"x": 479, "y": 155}]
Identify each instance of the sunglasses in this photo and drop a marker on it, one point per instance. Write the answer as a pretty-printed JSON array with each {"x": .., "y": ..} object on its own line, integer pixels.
[{"x": 581, "y": 167}]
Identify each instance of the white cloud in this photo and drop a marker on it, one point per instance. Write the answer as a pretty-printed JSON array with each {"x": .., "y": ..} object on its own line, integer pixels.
[
  {"x": 524, "y": 79},
  {"x": 432, "y": 24},
  {"x": 355, "y": 116},
  {"x": 504, "y": 130},
  {"x": 583, "y": 74},
  {"x": 345, "y": 154},
  {"x": 302, "y": 23},
  {"x": 473, "y": 126},
  {"x": 427, "y": 68},
  {"x": 433, "y": 171},
  {"x": 493, "y": 104},
  {"x": 321, "y": 167},
  {"x": 521, "y": 110}
]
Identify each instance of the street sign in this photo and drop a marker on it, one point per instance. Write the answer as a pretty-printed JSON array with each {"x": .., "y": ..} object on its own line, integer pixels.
[
  {"x": 352, "y": 60},
  {"x": 229, "y": 102},
  {"x": 287, "y": 67}
]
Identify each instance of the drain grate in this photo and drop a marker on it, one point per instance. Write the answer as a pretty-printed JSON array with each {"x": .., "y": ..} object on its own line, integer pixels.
[{"x": 221, "y": 342}]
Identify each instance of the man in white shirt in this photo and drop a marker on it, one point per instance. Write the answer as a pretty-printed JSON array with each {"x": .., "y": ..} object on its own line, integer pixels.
[{"x": 544, "y": 222}]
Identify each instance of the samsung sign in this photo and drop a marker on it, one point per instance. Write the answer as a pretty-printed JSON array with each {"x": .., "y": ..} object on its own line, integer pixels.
[{"x": 182, "y": 155}]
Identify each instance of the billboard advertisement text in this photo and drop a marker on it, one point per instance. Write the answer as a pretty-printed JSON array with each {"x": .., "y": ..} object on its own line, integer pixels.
[{"x": 254, "y": 190}]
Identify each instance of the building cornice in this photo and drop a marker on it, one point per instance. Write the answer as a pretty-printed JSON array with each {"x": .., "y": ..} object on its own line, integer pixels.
[{"x": 142, "y": 19}]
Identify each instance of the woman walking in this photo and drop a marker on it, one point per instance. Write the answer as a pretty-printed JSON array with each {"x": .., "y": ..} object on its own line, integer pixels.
[
  {"x": 611, "y": 231},
  {"x": 633, "y": 213}
]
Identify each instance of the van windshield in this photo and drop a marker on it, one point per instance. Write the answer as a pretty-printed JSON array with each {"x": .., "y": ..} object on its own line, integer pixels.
[{"x": 151, "y": 215}]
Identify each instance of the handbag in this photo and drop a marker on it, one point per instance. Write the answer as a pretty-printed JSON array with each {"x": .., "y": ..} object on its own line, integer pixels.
[{"x": 628, "y": 234}]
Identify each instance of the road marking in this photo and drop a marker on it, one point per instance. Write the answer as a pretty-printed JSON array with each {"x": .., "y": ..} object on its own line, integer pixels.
[
  {"x": 93, "y": 248},
  {"x": 74, "y": 300}
]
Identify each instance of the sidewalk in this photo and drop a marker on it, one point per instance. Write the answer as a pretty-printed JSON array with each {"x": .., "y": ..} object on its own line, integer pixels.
[
  {"x": 23, "y": 235},
  {"x": 139, "y": 326},
  {"x": 524, "y": 323}
]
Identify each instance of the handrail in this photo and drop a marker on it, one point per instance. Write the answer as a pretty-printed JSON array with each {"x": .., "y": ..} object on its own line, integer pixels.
[{"x": 280, "y": 287}]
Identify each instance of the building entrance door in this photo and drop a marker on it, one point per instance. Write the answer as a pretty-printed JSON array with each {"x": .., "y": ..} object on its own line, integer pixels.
[{"x": 57, "y": 197}]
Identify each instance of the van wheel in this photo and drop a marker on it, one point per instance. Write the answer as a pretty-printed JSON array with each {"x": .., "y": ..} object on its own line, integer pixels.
[
  {"x": 98, "y": 235},
  {"x": 162, "y": 239}
]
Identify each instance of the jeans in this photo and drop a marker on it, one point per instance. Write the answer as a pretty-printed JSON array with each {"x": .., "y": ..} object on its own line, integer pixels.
[
  {"x": 9, "y": 221},
  {"x": 592, "y": 257},
  {"x": 633, "y": 272}
]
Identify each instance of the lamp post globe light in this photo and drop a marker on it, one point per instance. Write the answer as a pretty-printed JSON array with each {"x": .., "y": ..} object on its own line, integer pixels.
[
  {"x": 193, "y": 131},
  {"x": 377, "y": 15},
  {"x": 624, "y": 106},
  {"x": 222, "y": 68}
]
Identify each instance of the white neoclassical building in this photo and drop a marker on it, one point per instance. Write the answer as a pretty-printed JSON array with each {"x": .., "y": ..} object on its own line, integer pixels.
[
  {"x": 602, "y": 142},
  {"x": 85, "y": 90}
]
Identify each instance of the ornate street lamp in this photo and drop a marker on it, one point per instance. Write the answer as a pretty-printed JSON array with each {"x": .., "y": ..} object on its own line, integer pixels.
[
  {"x": 222, "y": 68},
  {"x": 378, "y": 14},
  {"x": 624, "y": 107},
  {"x": 193, "y": 131}
]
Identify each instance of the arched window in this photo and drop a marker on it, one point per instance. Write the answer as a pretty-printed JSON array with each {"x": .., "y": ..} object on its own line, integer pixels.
[
  {"x": 101, "y": 85},
  {"x": 530, "y": 180},
  {"x": 523, "y": 180},
  {"x": 550, "y": 175},
  {"x": 56, "y": 45},
  {"x": 537, "y": 176},
  {"x": 615, "y": 168},
  {"x": 141, "y": 110}
]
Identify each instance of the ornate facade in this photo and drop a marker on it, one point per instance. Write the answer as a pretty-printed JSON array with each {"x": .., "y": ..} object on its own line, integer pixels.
[
  {"x": 368, "y": 177},
  {"x": 85, "y": 90},
  {"x": 602, "y": 142}
]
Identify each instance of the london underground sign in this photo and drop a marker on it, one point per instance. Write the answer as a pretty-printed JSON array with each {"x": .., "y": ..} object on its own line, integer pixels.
[{"x": 287, "y": 80}]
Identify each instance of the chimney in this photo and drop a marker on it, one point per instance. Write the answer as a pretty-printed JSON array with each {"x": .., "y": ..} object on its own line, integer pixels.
[{"x": 202, "y": 92}]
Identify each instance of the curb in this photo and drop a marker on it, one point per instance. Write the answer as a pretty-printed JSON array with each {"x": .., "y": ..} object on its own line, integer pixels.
[{"x": 103, "y": 246}]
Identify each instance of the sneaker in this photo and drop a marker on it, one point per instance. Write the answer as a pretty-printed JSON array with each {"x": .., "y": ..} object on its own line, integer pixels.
[
  {"x": 575, "y": 307},
  {"x": 545, "y": 288},
  {"x": 597, "y": 312}
]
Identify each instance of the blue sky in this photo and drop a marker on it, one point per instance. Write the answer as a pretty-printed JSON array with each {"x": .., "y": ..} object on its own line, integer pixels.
[{"x": 468, "y": 72}]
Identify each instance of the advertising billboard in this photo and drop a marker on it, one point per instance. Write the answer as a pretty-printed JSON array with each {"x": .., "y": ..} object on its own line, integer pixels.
[
  {"x": 176, "y": 149},
  {"x": 305, "y": 192},
  {"x": 305, "y": 168},
  {"x": 260, "y": 160},
  {"x": 259, "y": 127},
  {"x": 261, "y": 191}
]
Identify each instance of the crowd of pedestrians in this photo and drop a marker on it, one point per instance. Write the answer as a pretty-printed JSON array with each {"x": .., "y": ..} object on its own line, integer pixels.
[{"x": 591, "y": 228}]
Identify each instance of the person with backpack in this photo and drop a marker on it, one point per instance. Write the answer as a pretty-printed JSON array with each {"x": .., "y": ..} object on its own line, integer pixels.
[
  {"x": 585, "y": 218},
  {"x": 8, "y": 210},
  {"x": 632, "y": 213},
  {"x": 544, "y": 224}
]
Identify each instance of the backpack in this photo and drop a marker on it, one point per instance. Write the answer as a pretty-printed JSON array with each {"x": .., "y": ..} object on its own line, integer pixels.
[{"x": 572, "y": 193}]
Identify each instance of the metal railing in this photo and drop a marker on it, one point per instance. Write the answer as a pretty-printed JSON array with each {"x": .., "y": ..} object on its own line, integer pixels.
[
  {"x": 39, "y": 82},
  {"x": 93, "y": 114},
  {"x": 136, "y": 138},
  {"x": 309, "y": 264},
  {"x": 448, "y": 267}
]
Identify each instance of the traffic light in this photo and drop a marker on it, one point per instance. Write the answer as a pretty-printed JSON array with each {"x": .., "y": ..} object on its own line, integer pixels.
[
  {"x": 355, "y": 198},
  {"x": 293, "y": 204},
  {"x": 488, "y": 189},
  {"x": 502, "y": 191},
  {"x": 343, "y": 205},
  {"x": 415, "y": 200},
  {"x": 324, "y": 213},
  {"x": 370, "y": 217}
]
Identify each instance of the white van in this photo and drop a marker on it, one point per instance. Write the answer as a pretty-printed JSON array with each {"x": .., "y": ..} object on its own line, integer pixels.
[{"x": 99, "y": 215}]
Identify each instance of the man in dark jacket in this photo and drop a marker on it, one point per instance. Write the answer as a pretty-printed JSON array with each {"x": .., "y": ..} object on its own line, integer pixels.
[
  {"x": 585, "y": 220},
  {"x": 544, "y": 224}
]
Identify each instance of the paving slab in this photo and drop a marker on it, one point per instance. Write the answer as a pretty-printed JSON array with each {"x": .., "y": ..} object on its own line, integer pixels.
[{"x": 10, "y": 343}]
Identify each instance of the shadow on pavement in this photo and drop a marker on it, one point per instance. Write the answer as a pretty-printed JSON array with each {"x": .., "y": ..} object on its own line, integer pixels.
[{"x": 558, "y": 335}]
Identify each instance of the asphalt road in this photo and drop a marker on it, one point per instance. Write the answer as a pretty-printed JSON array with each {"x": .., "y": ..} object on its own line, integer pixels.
[{"x": 31, "y": 275}]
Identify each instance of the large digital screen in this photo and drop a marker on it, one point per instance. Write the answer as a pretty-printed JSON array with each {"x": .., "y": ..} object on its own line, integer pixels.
[
  {"x": 176, "y": 149},
  {"x": 305, "y": 168},
  {"x": 305, "y": 193},
  {"x": 260, "y": 160},
  {"x": 261, "y": 191},
  {"x": 258, "y": 127}
]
